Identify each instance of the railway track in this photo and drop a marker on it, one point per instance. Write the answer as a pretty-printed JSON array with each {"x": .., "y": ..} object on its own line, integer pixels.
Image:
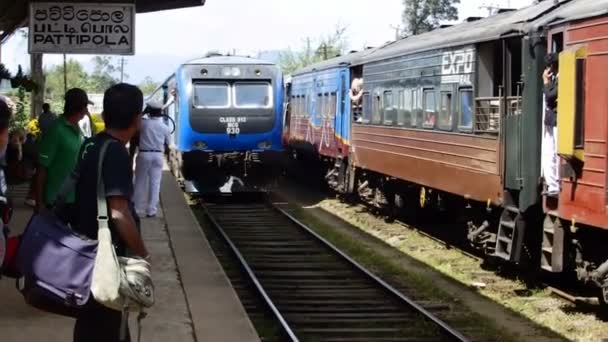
[{"x": 314, "y": 291}]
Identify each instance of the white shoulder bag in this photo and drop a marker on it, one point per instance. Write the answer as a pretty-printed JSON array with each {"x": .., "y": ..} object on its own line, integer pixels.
[{"x": 120, "y": 283}]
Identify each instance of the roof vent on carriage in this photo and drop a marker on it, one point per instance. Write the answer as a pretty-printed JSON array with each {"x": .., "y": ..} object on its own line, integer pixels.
[
  {"x": 504, "y": 10},
  {"x": 213, "y": 54},
  {"x": 471, "y": 19}
]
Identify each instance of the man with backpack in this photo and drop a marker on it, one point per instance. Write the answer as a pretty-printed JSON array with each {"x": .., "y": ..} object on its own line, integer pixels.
[{"x": 122, "y": 108}]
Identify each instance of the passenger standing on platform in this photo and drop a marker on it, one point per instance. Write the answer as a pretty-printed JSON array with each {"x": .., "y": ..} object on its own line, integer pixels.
[
  {"x": 58, "y": 152},
  {"x": 46, "y": 118},
  {"x": 86, "y": 125},
  {"x": 153, "y": 137},
  {"x": 550, "y": 160},
  {"x": 122, "y": 106}
]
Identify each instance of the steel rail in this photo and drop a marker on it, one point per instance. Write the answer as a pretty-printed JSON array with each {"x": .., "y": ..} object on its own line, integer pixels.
[
  {"x": 252, "y": 276},
  {"x": 449, "y": 331}
]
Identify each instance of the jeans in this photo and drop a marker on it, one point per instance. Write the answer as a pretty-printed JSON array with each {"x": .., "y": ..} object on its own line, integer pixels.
[{"x": 99, "y": 324}]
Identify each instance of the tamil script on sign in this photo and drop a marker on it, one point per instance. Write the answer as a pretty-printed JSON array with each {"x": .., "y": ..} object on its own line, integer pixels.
[{"x": 82, "y": 28}]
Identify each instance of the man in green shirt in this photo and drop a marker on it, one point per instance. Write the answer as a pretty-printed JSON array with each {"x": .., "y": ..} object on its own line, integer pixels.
[{"x": 58, "y": 153}]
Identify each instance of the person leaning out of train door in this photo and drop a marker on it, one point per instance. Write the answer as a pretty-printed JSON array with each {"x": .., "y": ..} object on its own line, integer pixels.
[
  {"x": 153, "y": 137},
  {"x": 550, "y": 160},
  {"x": 356, "y": 94}
]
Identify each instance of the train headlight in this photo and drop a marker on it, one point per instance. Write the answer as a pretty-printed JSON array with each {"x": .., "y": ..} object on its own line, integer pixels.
[
  {"x": 264, "y": 145},
  {"x": 234, "y": 72},
  {"x": 200, "y": 145}
]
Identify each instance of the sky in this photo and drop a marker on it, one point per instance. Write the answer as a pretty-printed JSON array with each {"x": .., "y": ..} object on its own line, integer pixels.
[{"x": 249, "y": 27}]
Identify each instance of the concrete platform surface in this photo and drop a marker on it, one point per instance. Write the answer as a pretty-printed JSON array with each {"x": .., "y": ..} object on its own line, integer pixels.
[{"x": 202, "y": 307}]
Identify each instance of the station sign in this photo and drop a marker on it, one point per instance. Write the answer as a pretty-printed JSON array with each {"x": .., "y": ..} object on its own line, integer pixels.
[{"x": 82, "y": 28}]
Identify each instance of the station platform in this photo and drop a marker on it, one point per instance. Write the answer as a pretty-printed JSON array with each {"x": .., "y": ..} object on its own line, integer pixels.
[{"x": 194, "y": 298}]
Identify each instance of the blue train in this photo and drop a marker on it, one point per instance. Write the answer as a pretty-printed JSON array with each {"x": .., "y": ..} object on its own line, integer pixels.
[{"x": 228, "y": 115}]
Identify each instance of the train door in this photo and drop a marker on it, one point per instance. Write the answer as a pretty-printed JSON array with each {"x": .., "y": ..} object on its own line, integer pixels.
[{"x": 342, "y": 122}]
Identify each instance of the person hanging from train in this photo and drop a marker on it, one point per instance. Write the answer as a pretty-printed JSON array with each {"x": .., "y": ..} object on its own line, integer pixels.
[
  {"x": 550, "y": 160},
  {"x": 356, "y": 95},
  {"x": 153, "y": 139}
]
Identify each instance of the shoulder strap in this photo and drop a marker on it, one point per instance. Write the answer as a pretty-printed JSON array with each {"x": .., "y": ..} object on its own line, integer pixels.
[{"x": 102, "y": 204}]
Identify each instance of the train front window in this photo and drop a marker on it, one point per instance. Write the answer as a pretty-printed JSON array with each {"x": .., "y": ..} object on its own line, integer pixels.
[
  {"x": 212, "y": 95},
  {"x": 252, "y": 95}
]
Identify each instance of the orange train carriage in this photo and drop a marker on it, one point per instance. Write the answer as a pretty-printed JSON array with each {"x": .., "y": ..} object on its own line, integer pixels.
[{"x": 575, "y": 231}]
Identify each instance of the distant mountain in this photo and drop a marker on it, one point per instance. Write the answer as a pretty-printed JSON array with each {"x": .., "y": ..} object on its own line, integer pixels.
[{"x": 158, "y": 67}]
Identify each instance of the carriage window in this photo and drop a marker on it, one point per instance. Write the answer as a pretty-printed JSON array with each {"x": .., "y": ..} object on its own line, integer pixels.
[
  {"x": 430, "y": 114},
  {"x": 252, "y": 95},
  {"x": 388, "y": 108},
  {"x": 466, "y": 109},
  {"x": 388, "y": 99},
  {"x": 416, "y": 108},
  {"x": 212, "y": 95},
  {"x": 376, "y": 109},
  {"x": 319, "y": 107},
  {"x": 367, "y": 108},
  {"x": 401, "y": 108},
  {"x": 579, "y": 115},
  {"x": 445, "y": 114},
  {"x": 331, "y": 106}
]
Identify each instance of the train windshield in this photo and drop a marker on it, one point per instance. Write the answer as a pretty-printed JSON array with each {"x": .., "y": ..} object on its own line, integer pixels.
[
  {"x": 212, "y": 95},
  {"x": 252, "y": 95}
]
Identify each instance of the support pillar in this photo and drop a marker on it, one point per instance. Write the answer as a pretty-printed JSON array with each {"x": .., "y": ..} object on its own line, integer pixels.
[{"x": 37, "y": 75}]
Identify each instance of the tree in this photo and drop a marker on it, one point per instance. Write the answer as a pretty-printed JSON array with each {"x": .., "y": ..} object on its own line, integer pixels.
[
  {"x": 103, "y": 76},
  {"x": 421, "y": 16},
  {"x": 313, "y": 52},
  {"x": 148, "y": 85},
  {"x": 54, "y": 87}
]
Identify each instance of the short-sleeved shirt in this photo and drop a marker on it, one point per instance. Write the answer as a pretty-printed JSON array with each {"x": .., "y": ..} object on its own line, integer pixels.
[
  {"x": 85, "y": 126},
  {"x": 153, "y": 134},
  {"x": 117, "y": 177},
  {"x": 45, "y": 120},
  {"x": 58, "y": 153}
]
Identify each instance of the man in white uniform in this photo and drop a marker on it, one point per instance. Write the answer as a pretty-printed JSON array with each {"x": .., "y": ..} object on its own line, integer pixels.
[{"x": 153, "y": 136}]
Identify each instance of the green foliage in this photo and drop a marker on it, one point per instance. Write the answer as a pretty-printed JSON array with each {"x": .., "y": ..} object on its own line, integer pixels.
[
  {"x": 104, "y": 74},
  {"x": 4, "y": 72},
  {"x": 23, "y": 81},
  {"x": 148, "y": 85},
  {"x": 421, "y": 16},
  {"x": 314, "y": 51},
  {"x": 22, "y": 114}
]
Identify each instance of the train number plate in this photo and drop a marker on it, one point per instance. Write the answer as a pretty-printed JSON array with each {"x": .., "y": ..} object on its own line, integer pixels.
[{"x": 232, "y": 124}]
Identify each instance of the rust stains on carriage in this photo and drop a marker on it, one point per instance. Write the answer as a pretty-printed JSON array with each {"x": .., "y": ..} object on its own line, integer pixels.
[
  {"x": 585, "y": 199},
  {"x": 455, "y": 163}
]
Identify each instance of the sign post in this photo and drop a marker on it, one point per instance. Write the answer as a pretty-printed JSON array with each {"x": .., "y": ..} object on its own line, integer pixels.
[{"x": 82, "y": 28}]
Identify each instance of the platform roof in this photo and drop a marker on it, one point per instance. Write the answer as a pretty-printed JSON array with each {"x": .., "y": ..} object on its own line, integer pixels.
[{"x": 13, "y": 13}]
